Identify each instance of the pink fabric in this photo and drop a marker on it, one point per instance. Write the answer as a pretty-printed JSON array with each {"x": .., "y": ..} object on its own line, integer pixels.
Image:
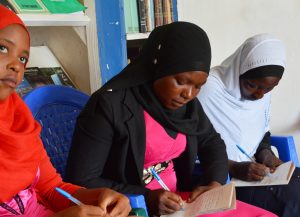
[
  {"x": 161, "y": 147},
  {"x": 29, "y": 199},
  {"x": 242, "y": 210}
]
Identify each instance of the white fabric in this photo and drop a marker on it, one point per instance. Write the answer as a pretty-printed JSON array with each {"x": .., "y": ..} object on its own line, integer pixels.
[{"x": 241, "y": 121}]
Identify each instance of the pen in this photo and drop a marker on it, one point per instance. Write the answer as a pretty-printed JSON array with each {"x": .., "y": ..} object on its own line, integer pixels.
[
  {"x": 245, "y": 153},
  {"x": 156, "y": 176},
  {"x": 160, "y": 181},
  {"x": 67, "y": 195}
]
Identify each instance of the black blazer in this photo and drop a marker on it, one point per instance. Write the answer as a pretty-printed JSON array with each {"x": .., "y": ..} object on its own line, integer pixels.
[{"x": 109, "y": 144}]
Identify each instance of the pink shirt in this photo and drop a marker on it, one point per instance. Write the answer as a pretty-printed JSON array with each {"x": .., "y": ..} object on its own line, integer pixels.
[{"x": 161, "y": 147}]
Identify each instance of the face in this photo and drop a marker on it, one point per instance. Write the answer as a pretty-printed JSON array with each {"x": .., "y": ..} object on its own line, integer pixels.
[
  {"x": 177, "y": 90},
  {"x": 254, "y": 89},
  {"x": 14, "y": 54}
]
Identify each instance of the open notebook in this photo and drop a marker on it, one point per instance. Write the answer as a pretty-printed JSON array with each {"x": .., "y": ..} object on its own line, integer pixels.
[
  {"x": 218, "y": 199},
  {"x": 281, "y": 176}
]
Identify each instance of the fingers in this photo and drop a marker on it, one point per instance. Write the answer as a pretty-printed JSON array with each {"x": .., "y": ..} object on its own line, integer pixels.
[{"x": 114, "y": 204}]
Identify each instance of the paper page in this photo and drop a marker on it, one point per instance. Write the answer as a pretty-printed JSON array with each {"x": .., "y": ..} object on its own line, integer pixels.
[
  {"x": 281, "y": 176},
  {"x": 217, "y": 199}
]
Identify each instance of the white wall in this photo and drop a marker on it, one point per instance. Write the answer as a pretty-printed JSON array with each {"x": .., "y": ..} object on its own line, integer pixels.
[{"x": 229, "y": 22}]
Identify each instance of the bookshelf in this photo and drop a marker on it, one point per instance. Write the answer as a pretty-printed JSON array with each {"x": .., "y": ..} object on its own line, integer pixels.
[
  {"x": 73, "y": 40},
  {"x": 112, "y": 37}
]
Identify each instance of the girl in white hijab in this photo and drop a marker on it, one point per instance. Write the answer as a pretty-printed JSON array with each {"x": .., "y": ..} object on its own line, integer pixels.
[{"x": 236, "y": 99}]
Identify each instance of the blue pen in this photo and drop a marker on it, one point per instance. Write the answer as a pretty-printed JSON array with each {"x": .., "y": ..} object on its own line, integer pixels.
[
  {"x": 160, "y": 181},
  {"x": 245, "y": 153},
  {"x": 156, "y": 176},
  {"x": 67, "y": 195}
]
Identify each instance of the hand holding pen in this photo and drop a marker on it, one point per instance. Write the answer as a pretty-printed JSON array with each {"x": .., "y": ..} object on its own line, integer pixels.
[
  {"x": 167, "y": 198},
  {"x": 252, "y": 171}
]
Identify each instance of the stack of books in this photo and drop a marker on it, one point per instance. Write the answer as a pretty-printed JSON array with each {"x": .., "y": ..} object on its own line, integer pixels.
[
  {"x": 43, "y": 68},
  {"x": 43, "y": 6},
  {"x": 144, "y": 15}
]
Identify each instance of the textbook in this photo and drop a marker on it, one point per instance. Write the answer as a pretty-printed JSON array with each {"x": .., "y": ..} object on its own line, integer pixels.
[
  {"x": 281, "y": 176},
  {"x": 35, "y": 77},
  {"x": 215, "y": 200}
]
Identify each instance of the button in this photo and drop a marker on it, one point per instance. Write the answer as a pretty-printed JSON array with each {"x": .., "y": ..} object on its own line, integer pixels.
[
  {"x": 155, "y": 61},
  {"x": 159, "y": 46}
]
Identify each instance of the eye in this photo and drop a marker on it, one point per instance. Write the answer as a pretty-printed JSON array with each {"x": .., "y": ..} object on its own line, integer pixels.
[
  {"x": 3, "y": 49},
  {"x": 180, "y": 81},
  {"x": 251, "y": 85},
  {"x": 23, "y": 60}
]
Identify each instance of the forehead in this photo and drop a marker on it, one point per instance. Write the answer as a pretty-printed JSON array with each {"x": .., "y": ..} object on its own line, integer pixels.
[{"x": 16, "y": 34}]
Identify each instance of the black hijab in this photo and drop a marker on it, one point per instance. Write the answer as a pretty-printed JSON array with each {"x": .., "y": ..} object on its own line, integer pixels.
[{"x": 170, "y": 49}]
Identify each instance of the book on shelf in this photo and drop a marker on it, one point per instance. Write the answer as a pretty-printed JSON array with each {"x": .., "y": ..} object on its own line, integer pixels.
[
  {"x": 45, "y": 6},
  {"x": 215, "y": 200},
  {"x": 28, "y": 6},
  {"x": 43, "y": 68},
  {"x": 142, "y": 16},
  {"x": 36, "y": 77},
  {"x": 158, "y": 12},
  {"x": 281, "y": 176},
  {"x": 131, "y": 16}
]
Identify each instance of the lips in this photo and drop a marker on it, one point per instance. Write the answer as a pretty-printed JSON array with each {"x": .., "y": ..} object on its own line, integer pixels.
[{"x": 9, "y": 81}]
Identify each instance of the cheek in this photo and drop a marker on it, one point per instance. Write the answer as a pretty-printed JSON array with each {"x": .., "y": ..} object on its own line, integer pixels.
[{"x": 20, "y": 76}]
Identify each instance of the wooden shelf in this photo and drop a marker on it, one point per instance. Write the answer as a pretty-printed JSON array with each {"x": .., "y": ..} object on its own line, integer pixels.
[
  {"x": 136, "y": 36},
  {"x": 54, "y": 19}
]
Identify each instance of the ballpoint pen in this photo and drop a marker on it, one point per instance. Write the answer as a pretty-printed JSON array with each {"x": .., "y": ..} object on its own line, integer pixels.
[
  {"x": 160, "y": 181},
  {"x": 267, "y": 171},
  {"x": 67, "y": 195},
  {"x": 156, "y": 176},
  {"x": 245, "y": 153}
]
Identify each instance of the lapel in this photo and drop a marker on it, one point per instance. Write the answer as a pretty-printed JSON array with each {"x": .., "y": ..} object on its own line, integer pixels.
[{"x": 137, "y": 131}]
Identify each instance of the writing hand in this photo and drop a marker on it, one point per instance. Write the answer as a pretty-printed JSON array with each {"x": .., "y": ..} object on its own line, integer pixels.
[
  {"x": 248, "y": 171},
  {"x": 113, "y": 203},
  {"x": 161, "y": 202}
]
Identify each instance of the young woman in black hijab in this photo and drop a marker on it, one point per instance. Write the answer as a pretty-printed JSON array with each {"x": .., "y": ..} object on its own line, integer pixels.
[{"x": 148, "y": 116}]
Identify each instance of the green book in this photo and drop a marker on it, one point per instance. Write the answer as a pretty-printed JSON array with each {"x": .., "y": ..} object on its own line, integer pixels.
[
  {"x": 29, "y": 6},
  {"x": 63, "y": 6}
]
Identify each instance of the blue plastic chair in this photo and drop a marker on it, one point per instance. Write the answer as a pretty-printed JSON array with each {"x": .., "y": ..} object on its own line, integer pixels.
[
  {"x": 137, "y": 202},
  {"x": 286, "y": 148},
  {"x": 56, "y": 108}
]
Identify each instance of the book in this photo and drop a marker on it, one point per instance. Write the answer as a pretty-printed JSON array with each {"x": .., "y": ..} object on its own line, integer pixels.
[
  {"x": 43, "y": 68},
  {"x": 215, "y": 200},
  {"x": 131, "y": 16},
  {"x": 158, "y": 13},
  {"x": 281, "y": 176},
  {"x": 36, "y": 77},
  {"x": 29, "y": 6},
  {"x": 63, "y": 6},
  {"x": 142, "y": 15}
]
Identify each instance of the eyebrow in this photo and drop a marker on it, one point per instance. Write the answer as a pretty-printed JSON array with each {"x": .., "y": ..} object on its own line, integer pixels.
[{"x": 10, "y": 42}]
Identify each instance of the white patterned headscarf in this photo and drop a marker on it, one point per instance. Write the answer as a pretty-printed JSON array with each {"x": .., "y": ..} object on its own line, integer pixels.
[{"x": 240, "y": 121}]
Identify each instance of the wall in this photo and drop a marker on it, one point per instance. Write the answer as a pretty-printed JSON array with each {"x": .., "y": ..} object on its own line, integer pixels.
[{"x": 229, "y": 23}]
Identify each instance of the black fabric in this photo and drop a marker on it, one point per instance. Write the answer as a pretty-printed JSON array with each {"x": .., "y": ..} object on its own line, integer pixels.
[
  {"x": 264, "y": 71},
  {"x": 186, "y": 119},
  {"x": 170, "y": 49},
  {"x": 108, "y": 148},
  {"x": 279, "y": 199},
  {"x": 264, "y": 144}
]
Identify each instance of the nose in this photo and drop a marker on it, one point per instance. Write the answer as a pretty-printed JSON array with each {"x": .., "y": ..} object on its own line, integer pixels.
[
  {"x": 14, "y": 65},
  {"x": 187, "y": 93}
]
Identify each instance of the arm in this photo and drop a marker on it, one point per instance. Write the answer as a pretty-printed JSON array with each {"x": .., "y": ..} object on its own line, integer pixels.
[
  {"x": 94, "y": 137},
  {"x": 104, "y": 200},
  {"x": 213, "y": 160},
  {"x": 265, "y": 155}
]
